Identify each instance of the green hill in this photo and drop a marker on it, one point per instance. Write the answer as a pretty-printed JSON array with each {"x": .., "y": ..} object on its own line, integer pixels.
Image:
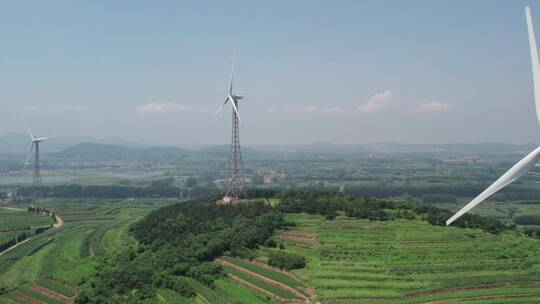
[
  {"x": 93, "y": 151},
  {"x": 339, "y": 249}
]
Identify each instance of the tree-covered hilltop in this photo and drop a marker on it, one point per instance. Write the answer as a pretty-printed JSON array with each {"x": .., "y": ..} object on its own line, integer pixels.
[{"x": 178, "y": 243}]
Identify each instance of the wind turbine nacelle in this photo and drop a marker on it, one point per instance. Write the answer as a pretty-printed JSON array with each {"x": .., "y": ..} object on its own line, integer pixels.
[{"x": 238, "y": 97}]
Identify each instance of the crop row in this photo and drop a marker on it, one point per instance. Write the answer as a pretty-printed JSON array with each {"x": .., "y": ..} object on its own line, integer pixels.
[
  {"x": 56, "y": 287},
  {"x": 261, "y": 284},
  {"x": 266, "y": 272}
]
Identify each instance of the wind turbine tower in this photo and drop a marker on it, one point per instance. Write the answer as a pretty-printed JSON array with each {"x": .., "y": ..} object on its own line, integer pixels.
[{"x": 236, "y": 178}]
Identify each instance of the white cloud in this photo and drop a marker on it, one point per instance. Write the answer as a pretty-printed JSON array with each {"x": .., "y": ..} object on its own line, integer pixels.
[
  {"x": 332, "y": 110},
  {"x": 72, "y": 108},
  {"x": 27, "y": 108},
  {"x": 435, "y": 106},
  {"x": 313, "y": 109},
  {"x": 168, "y": 107},
  {"x": 377, "y": 102},
  {"x": 270, "y": 109},
  {"x": 310, "y": 109}
]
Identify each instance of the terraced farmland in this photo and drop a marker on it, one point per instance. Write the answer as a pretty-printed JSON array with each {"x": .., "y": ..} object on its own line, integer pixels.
[
  {"x": 55, "y": 261},
  {"x": 43, "y": 291},
  {"x": 358, "y": 261},
  {"x": 269, "y": 283},
  {"x": 14, "y": 221}
]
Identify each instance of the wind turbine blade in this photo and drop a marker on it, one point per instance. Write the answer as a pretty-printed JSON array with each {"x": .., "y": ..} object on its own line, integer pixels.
[
  {"x": 221, "y": 106},
  {"x": 519, "y": 169},
  {"x": 534, "y": 61},
  {"x": 233, "y": 103},
  {"x": 30, "y": 132},
  {"x": 29, "y": 154},
  {"x": 45, "y": 138},
  {"x": 232, "y": 72}
]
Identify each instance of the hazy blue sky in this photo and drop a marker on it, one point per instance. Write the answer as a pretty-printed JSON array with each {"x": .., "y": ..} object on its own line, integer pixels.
[{"x": 311, "y": 71}]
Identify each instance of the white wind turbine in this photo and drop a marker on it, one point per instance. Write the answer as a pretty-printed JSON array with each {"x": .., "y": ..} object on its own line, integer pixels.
[
  {"x": 529, "y": 161},
  {"x": 36, "y": 141},
  {"x": 236, "y": 176}
]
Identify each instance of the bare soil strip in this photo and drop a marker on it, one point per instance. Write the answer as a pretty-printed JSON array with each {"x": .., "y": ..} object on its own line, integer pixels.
[
  {"x": 262, "y": 278},
  {"x": 451, "y": 300},
  {"x": 51, "y": 294}
]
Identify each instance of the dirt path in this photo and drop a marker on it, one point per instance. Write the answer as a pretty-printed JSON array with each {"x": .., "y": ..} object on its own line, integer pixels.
[
  {"x": 59, "y": 221},
  {"x": 14, "y": 246},
  {"x": 13, "y": 209},
  {"x": 91, "y": 250}
]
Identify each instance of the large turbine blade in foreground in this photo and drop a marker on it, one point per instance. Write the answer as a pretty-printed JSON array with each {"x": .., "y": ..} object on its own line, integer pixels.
[
  {"x": 522, "y": 167},
  {"x": 534, "y": 60}
]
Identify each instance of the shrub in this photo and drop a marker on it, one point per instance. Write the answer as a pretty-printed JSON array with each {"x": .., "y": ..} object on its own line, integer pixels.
[
  {"x": 285, "y": 260},
  {"x": 270, "y": 243}
]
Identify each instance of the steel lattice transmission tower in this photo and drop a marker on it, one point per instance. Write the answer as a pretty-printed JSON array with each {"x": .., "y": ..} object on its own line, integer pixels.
[
  {"x": 236, "y": 178},
  {"x": 37, "y": 181},
  {"x": 236, "y": 166}
]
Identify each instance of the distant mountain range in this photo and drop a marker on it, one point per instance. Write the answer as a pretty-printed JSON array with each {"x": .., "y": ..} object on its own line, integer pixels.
[
  {"x": 20, "y": 143},
  {"x": 95, "y": 151},
  {"x": 88, "y": 148}
]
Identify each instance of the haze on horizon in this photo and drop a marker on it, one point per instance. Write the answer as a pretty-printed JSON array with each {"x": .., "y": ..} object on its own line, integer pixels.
[{"x": 310, "y": 71}]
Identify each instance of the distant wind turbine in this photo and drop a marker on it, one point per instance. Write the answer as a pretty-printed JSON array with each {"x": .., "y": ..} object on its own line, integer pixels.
[
  {"x": 527, "y": 163},
  {"x": 236, "y": 178},
  {"x": 36, "y": 141}
]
